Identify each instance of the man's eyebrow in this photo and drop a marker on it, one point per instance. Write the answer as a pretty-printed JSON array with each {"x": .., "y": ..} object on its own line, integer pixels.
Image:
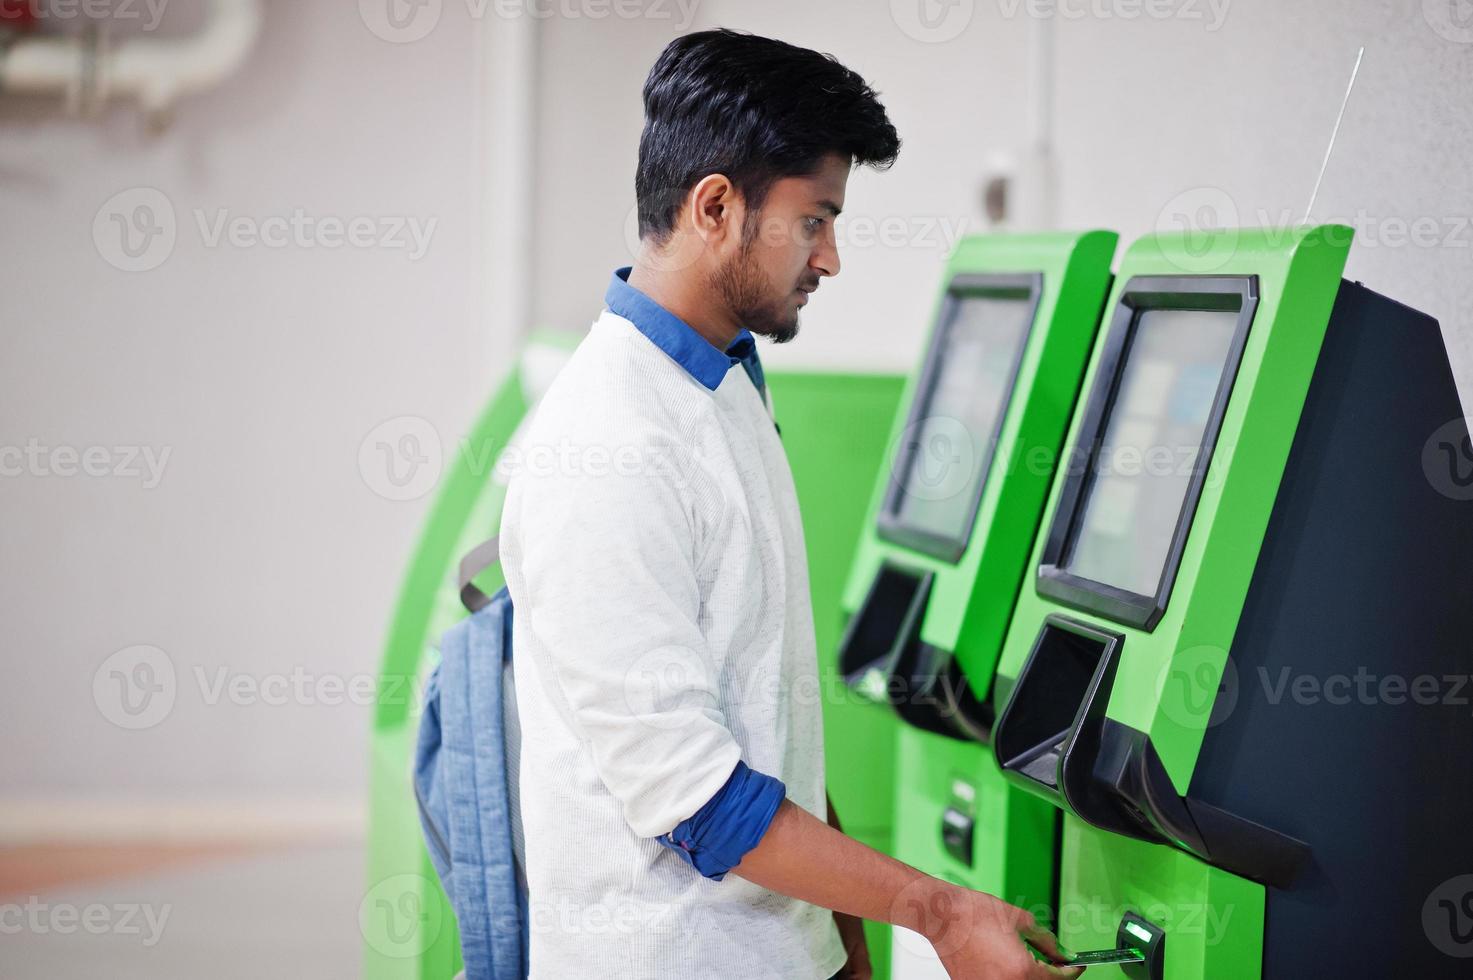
[{"x": 832, "y": 208}]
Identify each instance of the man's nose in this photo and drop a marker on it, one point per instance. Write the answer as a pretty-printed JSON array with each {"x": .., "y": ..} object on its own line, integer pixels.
[{"x": 825, "y": 258}]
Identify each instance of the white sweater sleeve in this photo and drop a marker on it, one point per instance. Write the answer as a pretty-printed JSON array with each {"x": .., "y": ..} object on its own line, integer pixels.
[{"x": 608, "y": 570}]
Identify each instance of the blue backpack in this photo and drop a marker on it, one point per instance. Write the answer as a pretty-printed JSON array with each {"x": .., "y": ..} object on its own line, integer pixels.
[{"x": 465, "y": 780}]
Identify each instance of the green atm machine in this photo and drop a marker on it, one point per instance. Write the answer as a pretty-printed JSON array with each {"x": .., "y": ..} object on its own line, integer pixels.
[
  {"x": 1233, "y": 664},
  {"x": 950, "y": 528}
]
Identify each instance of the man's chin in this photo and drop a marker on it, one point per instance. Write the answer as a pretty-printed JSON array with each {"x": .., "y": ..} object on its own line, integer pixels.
[
  {"x": 785, "y": 334},
  {"x": 778, "y": 333}
]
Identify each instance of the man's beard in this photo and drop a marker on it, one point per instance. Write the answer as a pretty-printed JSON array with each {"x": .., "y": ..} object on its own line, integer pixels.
[{"x": 745, "y": 289}]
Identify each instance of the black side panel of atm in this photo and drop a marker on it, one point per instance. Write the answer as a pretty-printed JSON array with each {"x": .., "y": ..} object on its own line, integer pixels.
[{"x": 1364, "y": 585}]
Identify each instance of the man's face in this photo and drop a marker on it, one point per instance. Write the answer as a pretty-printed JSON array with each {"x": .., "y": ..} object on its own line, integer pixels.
[{"x": 787, "y": 247}]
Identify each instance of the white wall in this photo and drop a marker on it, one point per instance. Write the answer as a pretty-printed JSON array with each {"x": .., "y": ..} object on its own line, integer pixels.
[
  {"x": 264, "y": 550},
  {"x": 1247, "y": 111},
  {"x": 1229, "y": 106},
  {"x": 945, "y": 102}
]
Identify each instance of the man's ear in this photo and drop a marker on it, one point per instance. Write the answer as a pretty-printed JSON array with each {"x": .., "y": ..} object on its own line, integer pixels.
[{"x": 716, "y": 210}]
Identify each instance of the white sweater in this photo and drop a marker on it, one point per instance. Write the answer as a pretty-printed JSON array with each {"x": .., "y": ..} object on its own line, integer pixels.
[{"x": 663, "y": 630}]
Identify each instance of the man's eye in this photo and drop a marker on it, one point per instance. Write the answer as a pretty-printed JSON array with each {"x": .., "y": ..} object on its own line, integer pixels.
[{"x": 813, "y": 225}]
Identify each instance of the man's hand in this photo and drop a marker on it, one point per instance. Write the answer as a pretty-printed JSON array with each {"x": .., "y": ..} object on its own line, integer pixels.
[
  {"x": 851, "y": 931},
  {"x": 976, "y": 935}
]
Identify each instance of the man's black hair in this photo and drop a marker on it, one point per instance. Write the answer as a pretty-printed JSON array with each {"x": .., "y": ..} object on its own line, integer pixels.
[{"x": 754, "y": 109}]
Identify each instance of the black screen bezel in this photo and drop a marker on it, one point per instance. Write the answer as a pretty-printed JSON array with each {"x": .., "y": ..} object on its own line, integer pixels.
[
  {"x": 1027, "y": 286},
  {"x": 1140, "y": 293}
]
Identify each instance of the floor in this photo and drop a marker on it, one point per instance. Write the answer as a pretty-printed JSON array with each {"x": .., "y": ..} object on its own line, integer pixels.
[{"x": 158, "y": 913}]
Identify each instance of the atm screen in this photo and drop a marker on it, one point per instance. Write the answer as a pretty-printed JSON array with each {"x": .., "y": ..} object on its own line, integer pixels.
[
  {"x": 1149, "y": 447},
  {"x": 946, "y": 449}
]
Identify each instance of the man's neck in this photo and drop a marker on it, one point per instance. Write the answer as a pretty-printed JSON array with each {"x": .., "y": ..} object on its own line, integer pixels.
[{"x": 684, "y": 295}]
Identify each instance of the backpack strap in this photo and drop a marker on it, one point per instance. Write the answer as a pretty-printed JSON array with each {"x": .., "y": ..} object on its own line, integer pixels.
[{"x": 476, "y": 561}]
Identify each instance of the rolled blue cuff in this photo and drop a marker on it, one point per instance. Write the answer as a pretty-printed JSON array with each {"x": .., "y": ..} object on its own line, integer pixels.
[{"x": 720, "y": 834}]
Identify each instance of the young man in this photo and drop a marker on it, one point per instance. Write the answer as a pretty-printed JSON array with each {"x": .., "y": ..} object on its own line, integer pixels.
[{"x": 666, "y": 670}]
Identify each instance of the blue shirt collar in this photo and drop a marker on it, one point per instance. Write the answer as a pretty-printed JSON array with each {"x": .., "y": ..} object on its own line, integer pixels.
[{"x": 675, "y": 337}]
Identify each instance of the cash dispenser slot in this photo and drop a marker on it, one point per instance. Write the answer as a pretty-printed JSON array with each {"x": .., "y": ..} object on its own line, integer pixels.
[
  {"x": 883, "y": 657},
  {"x": 1055, "y": 739}
]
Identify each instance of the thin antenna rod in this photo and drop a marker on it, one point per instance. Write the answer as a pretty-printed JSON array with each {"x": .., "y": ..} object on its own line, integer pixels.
[{"x": 1334, "y": 133}]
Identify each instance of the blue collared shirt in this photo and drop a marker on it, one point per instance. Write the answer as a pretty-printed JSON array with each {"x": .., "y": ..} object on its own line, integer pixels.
[{"x": 702, "y": 359}]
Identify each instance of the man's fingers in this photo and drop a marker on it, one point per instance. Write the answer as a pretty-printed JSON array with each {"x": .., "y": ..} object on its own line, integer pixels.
[
  {"x": 1042, "y": 940},
  {"x": 1047, "y": 971}
]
